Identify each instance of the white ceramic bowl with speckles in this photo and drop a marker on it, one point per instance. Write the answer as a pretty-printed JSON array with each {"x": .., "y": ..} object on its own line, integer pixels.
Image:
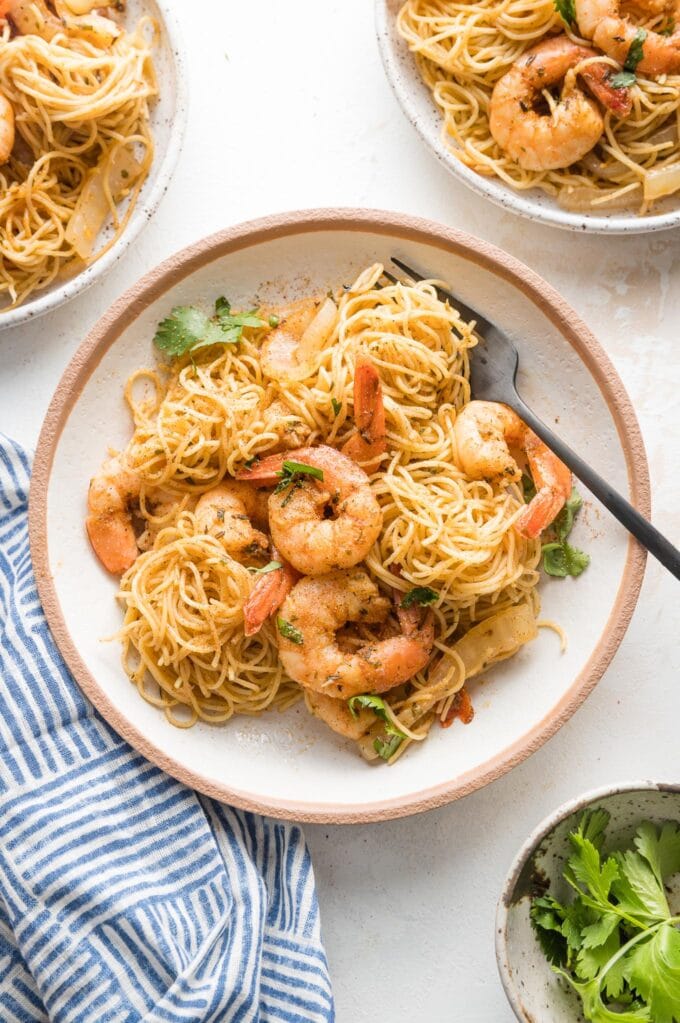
[
  {"x": 417, "y": 103},
  {"x": 168, "y": 116},
  {"x": 535, "y": 992}
]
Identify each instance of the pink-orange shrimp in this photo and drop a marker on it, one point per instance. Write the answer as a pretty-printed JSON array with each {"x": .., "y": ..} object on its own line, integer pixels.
[
  {"x": 614, "y": 33},
  {"x": 109, "y": 526},
  {"x": 320, "y": 524},
  {"x": 268, "y": 594},
  {"x": 541, "y": 142},
  {"x": 312, "y": 614},
  {"x": 484, "y": 432},
  {"x": 369, "y": 443}
]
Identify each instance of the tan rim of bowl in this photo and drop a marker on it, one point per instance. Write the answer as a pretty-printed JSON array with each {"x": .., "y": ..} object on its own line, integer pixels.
[{"x": 233, "y": 239}]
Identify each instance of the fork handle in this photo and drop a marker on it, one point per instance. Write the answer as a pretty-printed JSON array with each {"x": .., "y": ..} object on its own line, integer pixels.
[{"x": 657, "y": 544}]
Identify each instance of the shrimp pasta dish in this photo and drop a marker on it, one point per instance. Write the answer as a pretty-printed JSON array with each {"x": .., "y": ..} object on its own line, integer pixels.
[
  {"x": 579, "y": 98},
  {"x": 75, "y": 141},
  {"x": 311, "y": 505}
]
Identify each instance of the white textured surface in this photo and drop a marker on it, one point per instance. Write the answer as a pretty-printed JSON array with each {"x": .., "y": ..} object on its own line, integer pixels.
[{"x": 290, "y": 108}]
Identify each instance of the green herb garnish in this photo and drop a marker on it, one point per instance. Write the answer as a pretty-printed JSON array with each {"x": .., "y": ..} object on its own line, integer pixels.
[
  {"x": 384, "y": 747},
  {"x": 188, "y": 328},
  {"x": 560, "y": 559},
  {"x": 289, "y": 631},
  {"x": 635, "y": 50},
  {"x": 294, "y": 472},
  {"x": 274, "y": 320},
  {"x": 622, "y": 80},
  {"x": 419, "y": 595},
  {"x": 272, "y": 566},
  {"x": 566, "y": 10},
  {"x": 616, "y": 942},
  {"x": 337, "y": 405}
]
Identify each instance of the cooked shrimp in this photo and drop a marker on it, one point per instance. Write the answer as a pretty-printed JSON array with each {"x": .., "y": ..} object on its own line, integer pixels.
[
  {"x": 291, "y": 430},
  {"x": 484, "y": 431},
  {"x": 268, "y": 594},
  {"x": 320, "y": 525},
  {"x": 279, "y": 350},
  {"x": 369, "y": 443},
  {"x": 6, "y": 129},
  {"x": 317, "y": 608},
  {"x": 541, "y": 142},
  {"x": 614, "y": 33},
  {"x": 227, "y": 512},
  {"x": 336, "y": 714},
  {"x": 109, "y": 522}
]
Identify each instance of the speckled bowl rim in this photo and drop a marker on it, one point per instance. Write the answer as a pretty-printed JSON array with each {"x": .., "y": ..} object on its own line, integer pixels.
[
  {"x": 492, "y": 189},
  {"x": 146, "y": 205},
  {"x": 547, "y": 825},
  {"x": 234, "y": 239}
]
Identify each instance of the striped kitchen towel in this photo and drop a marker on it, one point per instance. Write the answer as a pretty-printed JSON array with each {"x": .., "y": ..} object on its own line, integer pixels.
[{"x": 124, "y": 896}]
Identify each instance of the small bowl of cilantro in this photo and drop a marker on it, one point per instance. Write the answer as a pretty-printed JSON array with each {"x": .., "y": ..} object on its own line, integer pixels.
[{"x": 588, "y": 926}]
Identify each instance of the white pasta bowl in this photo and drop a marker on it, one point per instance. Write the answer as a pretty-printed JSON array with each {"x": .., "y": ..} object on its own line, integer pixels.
[
  {"x": 168, "y": 115},
  {"x": 419, "y": 107},
  {"x": 290, "y": 765},
  {"x": 530, "y": 984}
]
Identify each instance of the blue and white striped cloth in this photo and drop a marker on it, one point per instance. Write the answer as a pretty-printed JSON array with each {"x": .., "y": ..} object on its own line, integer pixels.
[{"x": 124, "y": 896}]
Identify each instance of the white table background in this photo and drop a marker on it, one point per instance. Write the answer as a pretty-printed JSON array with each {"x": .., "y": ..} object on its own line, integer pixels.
[{"x": 290, "y": 109}]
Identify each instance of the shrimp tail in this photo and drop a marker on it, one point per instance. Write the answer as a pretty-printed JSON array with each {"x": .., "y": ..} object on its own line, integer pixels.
[
  {"x": 368, "y": 444},
  {"x": 268, "y": 595},
  {"x": 598, "y": 79},
  {"x": 265, "y": 472},
  {"x": 553, "y": 483}
]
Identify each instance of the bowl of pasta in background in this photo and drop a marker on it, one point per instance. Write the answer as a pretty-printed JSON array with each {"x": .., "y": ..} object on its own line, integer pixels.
[
  {"x": 289, "y": 764},
  {"x": 166, "y": 125},
  {"x": 418, "y": 104}
]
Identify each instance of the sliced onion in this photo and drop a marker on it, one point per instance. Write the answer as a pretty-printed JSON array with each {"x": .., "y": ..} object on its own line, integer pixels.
[
  {"x": 599, "y": 168},
  {"x": 581, "y": 198},
  {"x": 92, "y": 208},
  {"x": 661, "y": 181},
  {"x": 668, "y": 133},
  {"x": 319, "y": 330},
  {"x": 83, "y": 6},
  {"x": 27, "y": 22},
  {"x": 494, "y": 639}
]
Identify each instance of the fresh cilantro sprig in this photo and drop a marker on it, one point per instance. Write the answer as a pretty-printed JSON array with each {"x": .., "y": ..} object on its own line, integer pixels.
[
  {"x": 560, "y": 559},
  {"x": 292, "y": 475},
  {"x": 188, "y": 328},
  {"x": 616, "y": 943},
  {"x": 384, "y": 747},
  {"x": 625, "y": 78},
  {"x": 566, "y": 10},
  {"x": 420, "y": 596}
]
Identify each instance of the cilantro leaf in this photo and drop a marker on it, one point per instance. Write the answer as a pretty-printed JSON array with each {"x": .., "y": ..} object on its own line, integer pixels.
[
  {"x": 419, "y": 595},
  {"x": 560, "y": 559},
  {"x": 638, "y": 890},
  {"x": 564, "y": 521},
  {"x": 622, "y": 79},
  {"x": 379, "y": 708},
  {"x": 653, "y": 970},
  {"x": 566, "y": 10},
  {"x": 289, "y": 631},
  {"x": 591, "y": 960},
  {"x": 585, "y": 867},
  {"x": 293, "y": 472},
  {"x": 599, "y": 933},
  {"x": 635, "y": 50},
  {"x": 272, "y": 566},
  {"x": 337, "y": 405},
  {"x": 547, "y": 918},
  {"x": 661, "y": 848},
  {"x": 188, "y": 328},
  {"x": 387, "y": 748}
]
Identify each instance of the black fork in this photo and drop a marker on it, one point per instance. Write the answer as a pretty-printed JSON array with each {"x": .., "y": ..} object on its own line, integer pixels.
[{"x": 493, "y": 374}]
